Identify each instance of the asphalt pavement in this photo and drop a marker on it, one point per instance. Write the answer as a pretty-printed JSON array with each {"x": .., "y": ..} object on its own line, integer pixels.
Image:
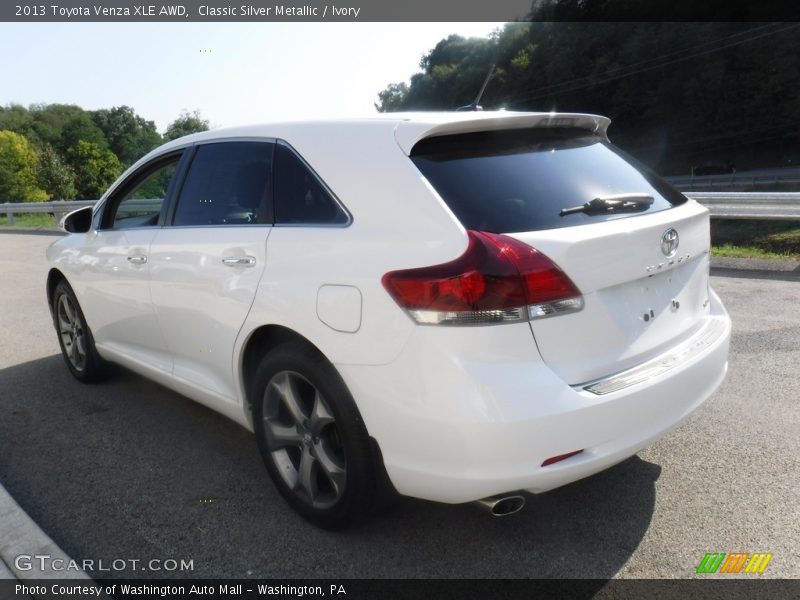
[{"x": 127, "y": 470}]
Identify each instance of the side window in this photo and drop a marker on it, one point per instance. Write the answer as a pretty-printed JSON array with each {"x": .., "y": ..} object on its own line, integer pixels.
[
  {"x": 228, "y": 184},
  {"x": 299, "y": 196},
  {"x": 140, "y": 205}
]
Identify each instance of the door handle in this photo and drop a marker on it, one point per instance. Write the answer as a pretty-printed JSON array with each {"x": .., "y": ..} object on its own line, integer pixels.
[
  {"x": 239, "y": 261},
  {"x": 137, "y": 259}
]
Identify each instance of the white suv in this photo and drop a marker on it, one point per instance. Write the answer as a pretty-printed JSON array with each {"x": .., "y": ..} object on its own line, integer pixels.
[{"x": 458, "y": 306}]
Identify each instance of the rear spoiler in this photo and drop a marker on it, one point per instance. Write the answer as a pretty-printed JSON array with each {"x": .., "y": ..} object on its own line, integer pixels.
[{"x": 407, "y": 133}]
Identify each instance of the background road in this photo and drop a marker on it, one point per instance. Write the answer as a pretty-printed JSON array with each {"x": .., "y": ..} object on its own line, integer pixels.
[{"x": 127, "y": 469}]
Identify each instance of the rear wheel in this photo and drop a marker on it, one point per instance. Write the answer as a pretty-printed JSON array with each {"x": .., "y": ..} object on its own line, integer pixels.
[
  {"x": 74, "y": 336},
  {"x": 312, "y": 439}
]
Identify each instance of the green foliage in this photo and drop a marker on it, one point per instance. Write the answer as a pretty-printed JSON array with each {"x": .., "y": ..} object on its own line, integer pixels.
[
  {"x": 49, "y": 121},
  {"x": 678, "y": 94},
  {"x": 67, "y": 152},
  {"x": 81, "y": 128},
  {"x": 392, "y": 98},
  {"x": 18, "y": 163},
  {"x": 55, "y": 175},
  {"x": 16, "y": 118},
  {"x": 186, "y": 123},
  {"x": 155, "y": 187},
  {"x": 452, "y": 75},
  {"x": 754, "y": 238},
  {"x": 129, "y": 136},
  {"x": 37, "y": 220},
  {"x": 95, "y": 167}
]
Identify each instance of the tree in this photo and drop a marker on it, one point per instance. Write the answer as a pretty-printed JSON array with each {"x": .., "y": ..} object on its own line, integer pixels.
[
  {"x": 392, "y": 98},
  {"x": 81, "y": 127},
  {"x": 18, "y": 163},
  {"x": 16, "y": 118},
  {"x": 185, "y": 124},
  {"x": 95, "y": 168},
  {"x": 55, "y": 176},
  {"x": 49, "y": 121},
  {"x": 452, "y": 76},
  {"x": 678, "y": 94},
  {"x": 129, "y": 136}
]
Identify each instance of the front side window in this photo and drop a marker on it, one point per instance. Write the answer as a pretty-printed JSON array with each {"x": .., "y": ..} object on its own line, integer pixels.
[
  {"x": 300, "y": 198},
  {"x": 228, "y": 184},
  {"x": 140, "y": 204}
]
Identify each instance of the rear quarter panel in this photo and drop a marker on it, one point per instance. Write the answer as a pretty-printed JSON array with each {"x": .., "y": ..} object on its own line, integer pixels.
[{"x": 398, "y": 222}]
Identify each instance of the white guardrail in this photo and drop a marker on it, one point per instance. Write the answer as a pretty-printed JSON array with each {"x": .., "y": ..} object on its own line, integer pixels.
[
  {"x": 723, "y": 205},
  {"x": 58, "y": 208},
  {"x": 740, "y": 179},
  {"x": 784, "y": 206},
  {"x": 61, "y": 207}
]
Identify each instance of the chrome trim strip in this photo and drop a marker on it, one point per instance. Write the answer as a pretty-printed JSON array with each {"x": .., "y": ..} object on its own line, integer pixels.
[{"x": 708, "y": 335}]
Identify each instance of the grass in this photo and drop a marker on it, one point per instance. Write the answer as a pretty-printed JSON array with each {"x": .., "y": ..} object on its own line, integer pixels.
[
  {"x": 755, "y": 239},
  {"x": 729, "y": 250},
  {"x": 40, "y": 220}
]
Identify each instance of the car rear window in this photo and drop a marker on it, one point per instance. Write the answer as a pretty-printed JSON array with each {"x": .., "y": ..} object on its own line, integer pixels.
[{"x": 520, "y": 180}]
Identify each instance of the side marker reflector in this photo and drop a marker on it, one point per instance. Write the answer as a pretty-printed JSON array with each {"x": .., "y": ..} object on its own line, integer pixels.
[{"x": 560, "y": 457}]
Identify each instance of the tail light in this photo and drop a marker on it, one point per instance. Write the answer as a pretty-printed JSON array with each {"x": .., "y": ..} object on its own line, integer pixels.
[{"x": 497, "y": 280}]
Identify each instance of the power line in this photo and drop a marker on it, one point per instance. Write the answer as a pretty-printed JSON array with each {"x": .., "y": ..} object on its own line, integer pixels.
[
  {"x": 664, "y": 64},
  {"x": 648, "y": 60},
  {"x": 669, "y": 62},
  {"x": 787, "y": 131},
  {"x": 749, "y": 142}
]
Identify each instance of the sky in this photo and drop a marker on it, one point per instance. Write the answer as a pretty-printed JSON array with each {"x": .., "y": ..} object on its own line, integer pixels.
[{"x": 233, "y": 73}]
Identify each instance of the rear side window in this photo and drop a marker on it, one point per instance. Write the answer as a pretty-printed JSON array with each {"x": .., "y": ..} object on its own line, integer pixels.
[
  {"x": 228, "y": 184},
  {"x": 521, "y": 180},
  {"x": 300, "y": 198}
]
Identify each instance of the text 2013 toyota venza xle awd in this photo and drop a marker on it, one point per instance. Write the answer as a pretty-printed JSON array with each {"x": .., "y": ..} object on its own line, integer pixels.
[{"x": 457, "y": 307}]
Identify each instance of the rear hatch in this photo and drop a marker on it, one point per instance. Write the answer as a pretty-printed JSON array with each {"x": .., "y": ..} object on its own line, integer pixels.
[{"x": 635, "y": 248}]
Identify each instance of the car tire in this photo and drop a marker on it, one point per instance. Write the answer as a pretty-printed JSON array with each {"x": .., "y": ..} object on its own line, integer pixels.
[
  {"x": 75, "y": 337},
  {"x": 311, "y": 436}
]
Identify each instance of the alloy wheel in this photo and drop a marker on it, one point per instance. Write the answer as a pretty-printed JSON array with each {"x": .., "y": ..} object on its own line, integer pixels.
[
  {"x": 72, "y": 332},
  {"x": 303, "y": 439}
]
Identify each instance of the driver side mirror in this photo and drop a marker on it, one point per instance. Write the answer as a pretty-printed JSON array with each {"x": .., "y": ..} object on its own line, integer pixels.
[{"x": 78, "y": 221}]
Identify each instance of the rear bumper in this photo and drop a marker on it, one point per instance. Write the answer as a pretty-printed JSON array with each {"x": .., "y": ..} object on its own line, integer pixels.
[{"x": 473, "y": 412}]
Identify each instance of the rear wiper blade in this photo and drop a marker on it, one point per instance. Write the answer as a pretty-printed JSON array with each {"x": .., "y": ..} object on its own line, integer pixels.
[{"x": 607, "y": 204}]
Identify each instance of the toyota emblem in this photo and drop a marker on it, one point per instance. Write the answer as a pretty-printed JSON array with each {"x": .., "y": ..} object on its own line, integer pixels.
[{"x": 669, "y": 242}]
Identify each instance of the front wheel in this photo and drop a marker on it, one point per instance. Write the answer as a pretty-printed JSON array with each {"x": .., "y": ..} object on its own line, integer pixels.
[
  {"x": 312, "y": 439},
  {"x": 74, "y": 336}
]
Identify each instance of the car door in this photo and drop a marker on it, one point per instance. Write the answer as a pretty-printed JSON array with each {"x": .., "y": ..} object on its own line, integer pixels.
[
  {"x": 114, "y": 281},
  {"x": 206, "y": 263}
]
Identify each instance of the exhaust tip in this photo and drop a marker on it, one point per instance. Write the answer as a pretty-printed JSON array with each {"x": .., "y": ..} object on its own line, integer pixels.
[
  {"x": 502, "y": 506},
  {"x": 508, "y": 506}
]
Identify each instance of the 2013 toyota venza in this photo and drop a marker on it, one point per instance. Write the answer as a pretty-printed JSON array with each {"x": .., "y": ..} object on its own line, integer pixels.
[{"x": 451, "y": 306}]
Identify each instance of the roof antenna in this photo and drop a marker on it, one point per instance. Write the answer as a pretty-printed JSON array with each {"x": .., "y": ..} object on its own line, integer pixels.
[{"x": 475, "y": 106}]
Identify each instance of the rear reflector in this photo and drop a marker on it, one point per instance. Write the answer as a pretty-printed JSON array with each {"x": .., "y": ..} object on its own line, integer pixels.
[
  {"x": 497, "y": 280},
  {"x": 560, "y": 457}
]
